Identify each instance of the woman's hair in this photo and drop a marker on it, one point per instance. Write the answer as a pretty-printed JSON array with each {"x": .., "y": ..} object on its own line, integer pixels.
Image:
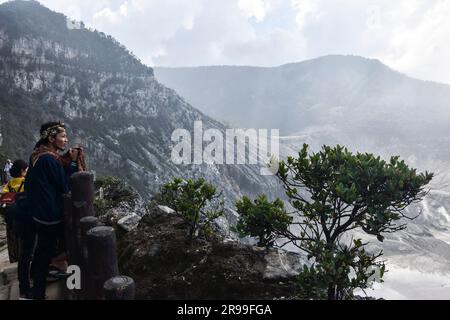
[
  {"x": 50, "y": 129},
  {"x": 17, "y": 168}
]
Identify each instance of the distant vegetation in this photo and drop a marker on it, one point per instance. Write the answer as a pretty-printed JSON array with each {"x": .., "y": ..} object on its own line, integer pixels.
[{"x": 101, "y": 52}]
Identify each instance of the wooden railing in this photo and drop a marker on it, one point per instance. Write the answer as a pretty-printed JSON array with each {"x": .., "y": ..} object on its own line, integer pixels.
[{"x": 92, "y": 247}]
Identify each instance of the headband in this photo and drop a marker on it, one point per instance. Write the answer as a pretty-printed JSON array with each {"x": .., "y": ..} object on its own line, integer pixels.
[{"x": 53, "y": 131}]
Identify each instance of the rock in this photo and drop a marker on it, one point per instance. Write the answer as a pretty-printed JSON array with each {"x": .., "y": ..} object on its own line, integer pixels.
[
  {"x": 223, "y": 227},
  {"x": 129, "y": 222},
  {"x": 232, "y": 216},
  {"x": 9, "y": 273},
  {"x": 4, "y": 292},
  {"x": 166, "y": 265},
  {"x": 117, "y": 200},
  {"x": 165, "y": 210},
  {"x": 154, "y": 250},
  {"x": 283, "y": 264}
]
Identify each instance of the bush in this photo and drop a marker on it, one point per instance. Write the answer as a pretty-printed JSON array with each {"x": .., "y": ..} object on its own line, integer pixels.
[
  {"x": 334, "y": 192},
  {"x": 263, "y": 219},
  {"x": 196, "y": 201},
  {"x": 346, "y": 267}
]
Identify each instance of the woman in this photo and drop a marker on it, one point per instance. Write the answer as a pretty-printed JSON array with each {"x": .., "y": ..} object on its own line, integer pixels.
[{"x": 46, "y": 182}]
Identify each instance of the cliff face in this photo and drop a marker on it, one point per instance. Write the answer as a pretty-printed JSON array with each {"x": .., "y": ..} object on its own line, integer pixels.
[{"x": 112, "y": 103}]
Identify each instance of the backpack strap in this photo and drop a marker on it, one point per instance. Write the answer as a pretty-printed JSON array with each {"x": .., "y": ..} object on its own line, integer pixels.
[
  {"x": 21, "y": 186},
  {"x": 11, "y": 189}
]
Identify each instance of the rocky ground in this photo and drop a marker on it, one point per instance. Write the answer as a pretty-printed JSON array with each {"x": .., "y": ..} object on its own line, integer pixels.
[
  {"x": 165, "y": 265},
  {"x": 154, "y": 250}
]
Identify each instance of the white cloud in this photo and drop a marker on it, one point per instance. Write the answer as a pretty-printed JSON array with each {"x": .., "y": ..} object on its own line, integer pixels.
[
  {"x": 106, "y": 15},
  {"x": 305, "y": 9},
  {"x": 409, "y": 35},
  {"x": 419, "y": 44},
  {"x": 110, "y": 16},
  {"x": 253, "y": 9}
]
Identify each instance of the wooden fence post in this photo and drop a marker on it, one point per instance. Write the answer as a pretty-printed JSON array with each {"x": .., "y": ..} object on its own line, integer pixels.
[
  {"x": 119, "y": 288},
  {"x": 69, "y": 236},
  {"x": 83, "y": 193},
  {"x": 68, "y": 226},
  {"x": 102, "y": 259},
  {"x": 86, "y": 224}
]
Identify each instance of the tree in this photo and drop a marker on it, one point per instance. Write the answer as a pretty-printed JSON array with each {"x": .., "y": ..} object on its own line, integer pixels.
[
  {"x": 196, "y": 201},
  {"x": 333, "y": 192},
  {"x": 262, "y": 219}
]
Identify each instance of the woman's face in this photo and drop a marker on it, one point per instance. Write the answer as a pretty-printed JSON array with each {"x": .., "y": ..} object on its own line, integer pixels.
[{"x": 60, "y": 140}]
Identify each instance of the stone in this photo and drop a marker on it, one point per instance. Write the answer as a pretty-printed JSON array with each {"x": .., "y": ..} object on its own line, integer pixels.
[
  {"x": 154, "y": 250},
  {"x": 4, "y": 292},
  {"x": 223, "y": 227},
  {"x": 129, "y": 222},
  {"x": 232, "y": 216},
  {"x": 10, "y": 273},
  {"x": 166, "y": 210},
  {"x": 167, "y": 265},
  {"x": 282, "y": 264}
]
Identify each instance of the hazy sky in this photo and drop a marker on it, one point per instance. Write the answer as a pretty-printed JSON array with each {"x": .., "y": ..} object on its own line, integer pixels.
[{"x": 412, "y": 36}]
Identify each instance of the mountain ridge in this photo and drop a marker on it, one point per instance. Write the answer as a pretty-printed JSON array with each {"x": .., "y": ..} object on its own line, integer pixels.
[
  {"x": 284, "y": 97},
  {"x": 112, "y": 104}
]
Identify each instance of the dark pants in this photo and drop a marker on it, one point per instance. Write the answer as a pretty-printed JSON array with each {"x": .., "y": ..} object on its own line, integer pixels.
[
  {"x": 26, "y": 233},
  {"x": 48, "y": 237},
  {"x": 11, "y": 235}
]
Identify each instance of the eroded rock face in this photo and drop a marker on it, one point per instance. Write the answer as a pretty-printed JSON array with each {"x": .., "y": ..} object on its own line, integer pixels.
[
  {"x": 112, "y": 104},
  {"x": 283, "y": 264},
  {"x": 130, "y": 222},
  {"x": 165, "y": 265},
  {"x": 165, "y": 210},
  {"x": 118, "y": 204}
]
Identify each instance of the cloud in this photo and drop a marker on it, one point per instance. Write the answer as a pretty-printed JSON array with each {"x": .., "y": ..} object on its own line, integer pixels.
[
  {"x": 304, "y": 10},
  {"x": 409, "y": 35},
  {"x": 106, "y": 15},
  {"x": 414, "y": 38},
  {"x": 253, "y": 8}
]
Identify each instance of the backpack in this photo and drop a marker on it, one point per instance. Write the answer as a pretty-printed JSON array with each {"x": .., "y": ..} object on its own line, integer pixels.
[
  {"x": 19, "y": 210},
  {"x": 9, "y": 198}
]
